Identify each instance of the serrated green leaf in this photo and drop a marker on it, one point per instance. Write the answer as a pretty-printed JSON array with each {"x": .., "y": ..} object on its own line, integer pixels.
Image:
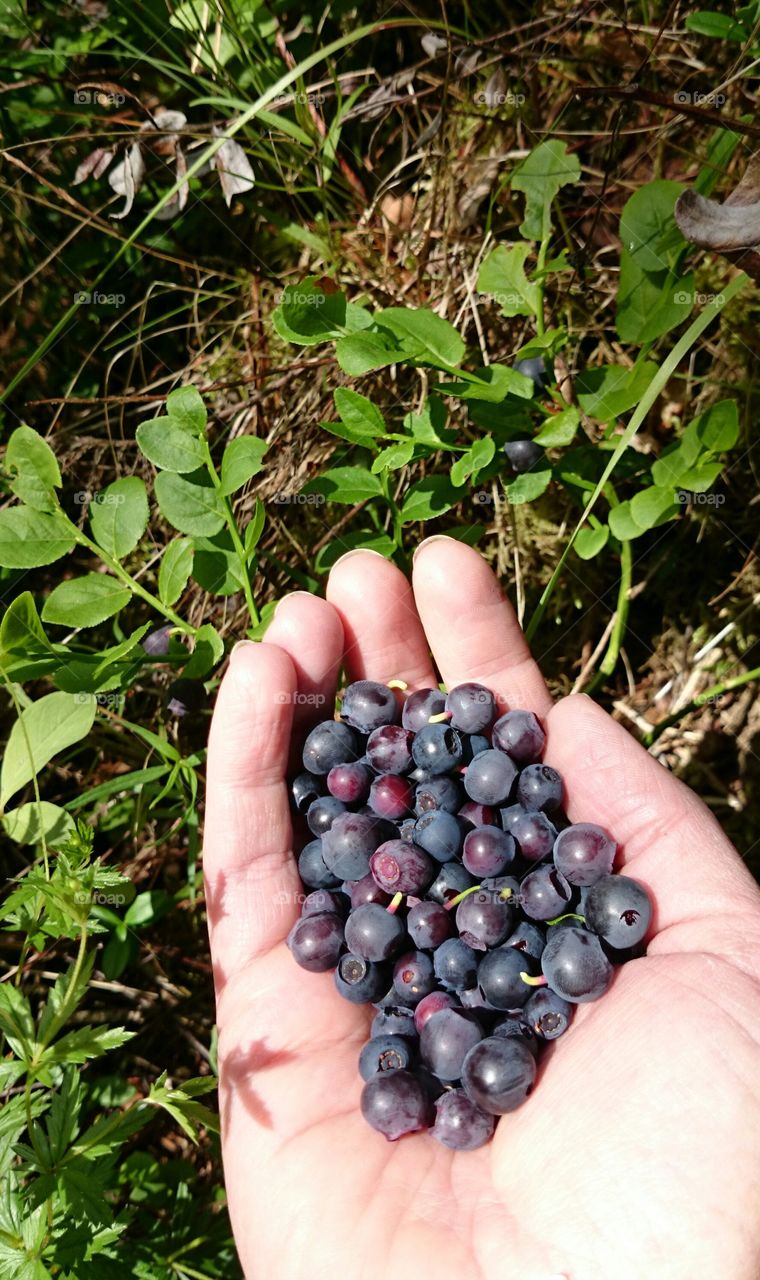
[
  {"x": 170, "y": 446},
  {"x": 174, "y": 570},
  {"x": 242, "y": 459},
  {"x": 31, "y": 538},
  {"x": 185, "y": 407},
  {"x": 528, "y": 486},
  {"x": 85, "y": 1043},
  {"x": 46, "y": 727},
  {"x": 190, "y": 503},
  {"x": 540, "y": 176},
  {"x": 34, "y": 469},
  {"x": 346, "y": 484},
  {"x": 119, "y": 516},
  {"x": 559, "y": 430},
  {"x": 394, "y": 457},
  {"x": 589, "y": 542},
  {"x": 502, "y": 276},
  {"x": 432, "y": 338},
  {"x": 362, "y": 418},
  {"x": 85, "y": 602},
  {"x": 429, "y": 498}
]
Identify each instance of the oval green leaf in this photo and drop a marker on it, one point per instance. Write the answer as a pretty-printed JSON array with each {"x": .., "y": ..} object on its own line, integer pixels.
[
  {"x": 31, "y": 538},
  {"x": 85, "y": 602},
  {"x": 190, "y": 505},
  {"x": 48, "y": 726},
  {"x": 119, "y": 516}
]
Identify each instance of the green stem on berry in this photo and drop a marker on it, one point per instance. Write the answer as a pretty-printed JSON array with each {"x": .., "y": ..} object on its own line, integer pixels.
[
  {"x": 571, "y": 915},
  {"x": 533, "y": 982},
  {"x": 440, "y": 717},
  {"x": 454, "y": 902},
  {"x": 395, "y": 903}
]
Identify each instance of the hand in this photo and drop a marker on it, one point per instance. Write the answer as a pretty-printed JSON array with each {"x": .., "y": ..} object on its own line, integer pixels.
[{"x": 638, "y": 1153}]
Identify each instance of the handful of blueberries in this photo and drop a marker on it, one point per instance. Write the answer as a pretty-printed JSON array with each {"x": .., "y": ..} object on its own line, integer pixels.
[{"x": 448, "y": 890}]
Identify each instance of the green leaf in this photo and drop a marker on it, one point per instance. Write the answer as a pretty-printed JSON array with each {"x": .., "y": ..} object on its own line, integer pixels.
[
  {"x": 174, "y": 570},
  {"x": 429, "y": 498},
  {"x": 34, "y": 468},
  {"x": 23, "y": 824},
  {"x": 147, "y": 907},
  {"x": 170, "y": 446},
  {"x": 308, "y": 314},
  {"x": 429, "y": 425},
  {"x": 16, "y": 1020},
  {"x": 648, "y": 229},
  {"x": 359, "y": 353},
  {"x": 548, "y": 343},
  {"x": 85, "y": 602},
  {"x": 31, "y": 538},
  {"x": 359, "y": 415},
  {"x": 477, "y": 457},
  {"x": 622, "y": 524},
  {"x": 119, "y": 516},
  {"x": 718, "y": 26},
  {"x": 433, "y": 339},
  {"x": 192, "y": 505},
  {"x": 528, "y": 486},
  {"x": 540, "y": 176},
  {"x": 502, "y": 276},
  {"x": 207, "y": 652},
  {"x": 492, "y": 384},
  {"x": 346, "y": 484},
  {"x": 21, "y": 630},
  {"x": 216, "y": 565},
  {"x": 186, "y": 408},
  {"x": 589, "y": 542},
  {"x": 717, "y": 429},
  {"x": 47, "y": 726},
  {"x": 653, "y": 506},
  {"x": 118, "y": 953},
  {"x": 368, "y": 538},
  {"x": 608, "y": 392},
  {"x": 558, "y": 430},
  {"x": 701, "y": 478},
  {"x": 649, "y": 306},
  {"x": 254, "y": 529},
  {"x": 84, "y": 1044},
  {"x": 395, "y": 456},
  {"x": 242, "y": 459}
]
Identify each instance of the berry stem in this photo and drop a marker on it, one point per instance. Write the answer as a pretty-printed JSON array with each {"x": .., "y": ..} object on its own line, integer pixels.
[
  {"x": 397, "y": 684},
  {"x": 571, "y": 915},
  {"x": 395, "y": 903},
  {"x": 534, "y": 982},
  {"x": 440, "y": 717},
  {"x": 454, "y": 902}
]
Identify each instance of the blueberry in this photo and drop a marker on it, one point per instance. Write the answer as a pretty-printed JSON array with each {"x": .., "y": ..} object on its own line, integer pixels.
[
  {"x": 460, "y": 1124},
  {"x": 533, "y": 367},
  {"x": 384, "y": 1053},
  {"x": 395, "y": 1103},
  {"x": 367, "y": 705},
  {"x": 523, "y": 454}
]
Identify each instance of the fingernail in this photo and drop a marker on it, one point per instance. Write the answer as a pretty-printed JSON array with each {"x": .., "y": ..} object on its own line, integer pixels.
[
  {"x": 426, "y": 542},
  {"x": 357, "y": 551},
  {"x": 238, "y": 648},
  {"x": 291, "y": 594}
]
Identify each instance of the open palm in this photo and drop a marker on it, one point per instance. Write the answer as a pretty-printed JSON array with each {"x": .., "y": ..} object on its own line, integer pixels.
[{"x": 638, "y": 1152}]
